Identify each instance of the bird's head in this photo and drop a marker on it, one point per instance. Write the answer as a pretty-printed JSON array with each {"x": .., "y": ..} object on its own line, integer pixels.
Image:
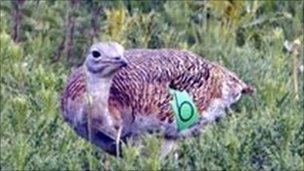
[{"x": 105, "y": 58}]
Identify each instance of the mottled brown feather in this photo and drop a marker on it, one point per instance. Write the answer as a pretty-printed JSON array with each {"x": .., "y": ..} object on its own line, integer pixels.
[{"x": 144, "y": 84}]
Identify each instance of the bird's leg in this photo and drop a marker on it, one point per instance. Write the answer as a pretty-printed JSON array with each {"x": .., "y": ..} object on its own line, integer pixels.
[
  {"x": 89, "y": 115},
  {"x": 167, "y": 146},
  {"x": 118, "y": 141},
  {"x": 107, "y": 163}
]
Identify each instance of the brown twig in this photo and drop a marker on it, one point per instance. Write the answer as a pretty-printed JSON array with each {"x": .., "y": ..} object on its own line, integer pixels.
[
  {"x": 70, "y": 28},
  {"x": 66, "y": 44},
  {"x": 58, "y": 53},
  {"x": 96, "y": 11},
  {"x": 17, "y": 15}
]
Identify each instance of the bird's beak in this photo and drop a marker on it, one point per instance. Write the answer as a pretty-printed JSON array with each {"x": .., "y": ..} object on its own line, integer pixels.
[{"x": 123, "y": 63}]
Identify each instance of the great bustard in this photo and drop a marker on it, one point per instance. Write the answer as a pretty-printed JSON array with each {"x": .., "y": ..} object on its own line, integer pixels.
[{"x": 121, "y": 93}]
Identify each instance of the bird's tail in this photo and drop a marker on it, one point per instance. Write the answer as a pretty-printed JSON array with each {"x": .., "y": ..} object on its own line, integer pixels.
[{"x": 248, "y": 89}]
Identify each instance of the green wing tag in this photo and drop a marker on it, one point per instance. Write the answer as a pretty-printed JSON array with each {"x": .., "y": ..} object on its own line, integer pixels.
[{"x": 186, "y": 112}]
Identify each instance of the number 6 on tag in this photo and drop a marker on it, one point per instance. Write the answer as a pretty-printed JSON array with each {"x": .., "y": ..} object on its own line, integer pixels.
[{"x": 185, "y": 111}]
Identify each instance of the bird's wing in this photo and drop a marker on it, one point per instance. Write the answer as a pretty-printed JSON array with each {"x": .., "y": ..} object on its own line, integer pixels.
[
  {"x": 145, "y": 83},
  {"x": 144, "y": 86},
  {"x": 73, "y": 96}
]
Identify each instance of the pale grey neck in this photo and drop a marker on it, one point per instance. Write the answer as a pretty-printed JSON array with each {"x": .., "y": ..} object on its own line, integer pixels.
[{"x": 99, "y": 87}]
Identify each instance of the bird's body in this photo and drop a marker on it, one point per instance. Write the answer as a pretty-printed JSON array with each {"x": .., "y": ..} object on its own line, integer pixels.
[{"x": 139, "y": 98}]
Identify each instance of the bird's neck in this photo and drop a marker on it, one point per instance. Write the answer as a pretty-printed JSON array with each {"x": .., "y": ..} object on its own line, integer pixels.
[
  {"x": 99, "y": 87},
  {"x": 98, "y": 91}
]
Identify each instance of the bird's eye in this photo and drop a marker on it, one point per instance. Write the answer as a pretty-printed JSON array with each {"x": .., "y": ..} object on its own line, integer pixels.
[
  {"x": 117, "y": 58},
  {"x": 96, "y": 54}
]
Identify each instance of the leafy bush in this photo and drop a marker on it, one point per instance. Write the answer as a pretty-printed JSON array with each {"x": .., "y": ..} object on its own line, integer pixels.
[{"x": 264, "y": 131}]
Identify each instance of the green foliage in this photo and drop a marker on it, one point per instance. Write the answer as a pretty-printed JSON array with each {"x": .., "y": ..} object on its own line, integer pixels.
[{"x": 264, "y": 131}]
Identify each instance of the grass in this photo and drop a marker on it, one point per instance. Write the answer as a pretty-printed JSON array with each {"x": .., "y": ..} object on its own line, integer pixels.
[{"x": 265, "y": 131}]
